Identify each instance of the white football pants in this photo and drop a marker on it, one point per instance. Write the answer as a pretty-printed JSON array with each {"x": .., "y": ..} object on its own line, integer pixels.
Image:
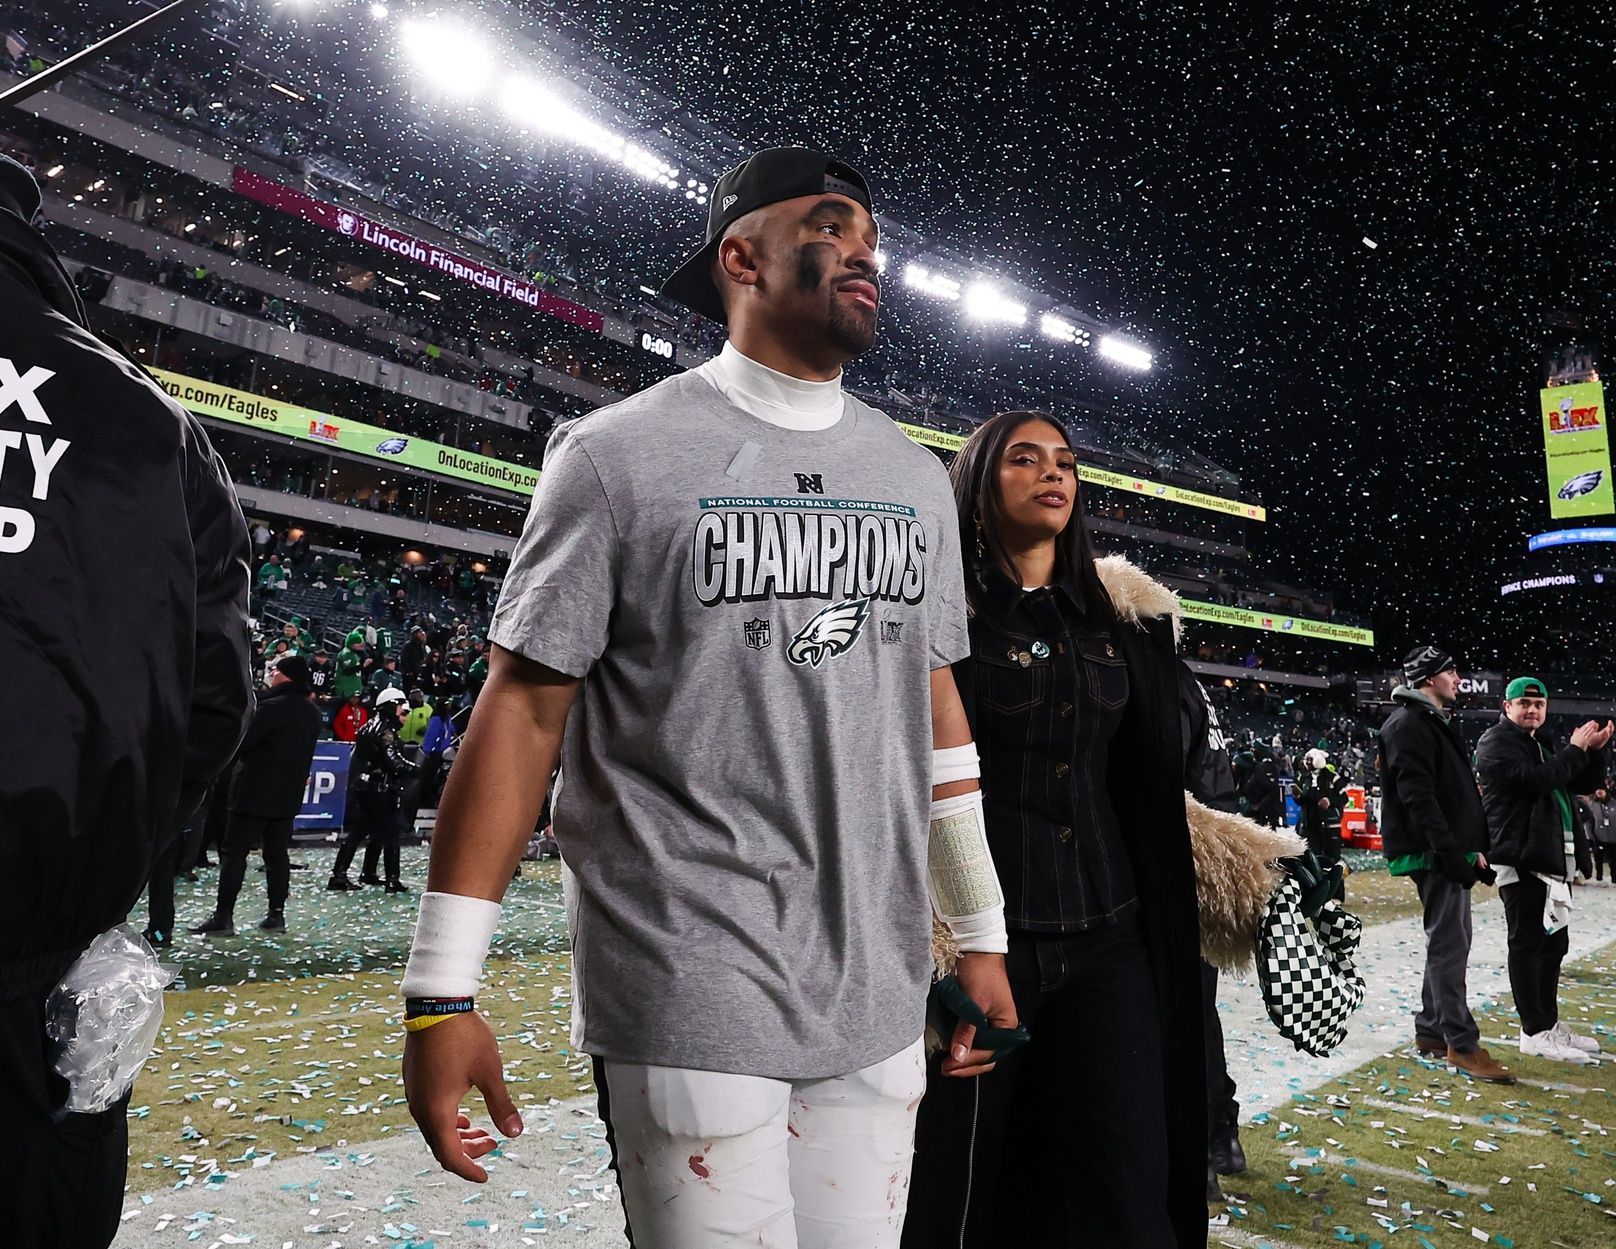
[{"x": 709, "y": 1160}]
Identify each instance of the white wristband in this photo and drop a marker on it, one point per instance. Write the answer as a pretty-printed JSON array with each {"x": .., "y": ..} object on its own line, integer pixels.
[
  {"x": 955, "y": 763},
  {"x": 452, "y": 933},
  {"x": 960, "y": 876}
]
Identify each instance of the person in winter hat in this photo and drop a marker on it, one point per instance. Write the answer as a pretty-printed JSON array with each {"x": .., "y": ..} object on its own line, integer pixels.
[
  {"x": 1538, "y": 849},
  {"x": 1321, "y": 794},
  {"x": 272, "y": 772},
  {"x": 351, "y": 666},
  {"x": 1258, "y": 782},
  {"x": 1435, "y": 833}
]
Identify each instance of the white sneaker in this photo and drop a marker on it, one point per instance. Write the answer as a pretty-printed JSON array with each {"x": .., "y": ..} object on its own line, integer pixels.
[
  {"x": 1548, "y": 1045},
  {"x": 1567, "y": 1037}
]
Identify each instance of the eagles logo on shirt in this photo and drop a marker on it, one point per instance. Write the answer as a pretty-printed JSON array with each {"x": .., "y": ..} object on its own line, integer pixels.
[{"x": 830, "y": 633}]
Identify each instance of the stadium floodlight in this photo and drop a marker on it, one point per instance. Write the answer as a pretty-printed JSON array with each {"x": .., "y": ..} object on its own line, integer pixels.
[
  {"x": 918, "y": 277},
  {"x": 1059, "y": 328},
  {"x": 985, "y": 302},
  {"x": 533, "y": 106},
  {"x": 454, "y": 59},
  {"x": 1113, "y": 348}
]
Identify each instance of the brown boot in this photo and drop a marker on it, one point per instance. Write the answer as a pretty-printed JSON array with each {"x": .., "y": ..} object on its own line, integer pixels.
[
  {"x": 1482, "y": 1066},
  {"x": 1430, "y": 1046}
]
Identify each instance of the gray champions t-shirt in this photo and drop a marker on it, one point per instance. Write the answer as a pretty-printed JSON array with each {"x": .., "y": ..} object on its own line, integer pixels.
[{"x": 755, "y": 612}]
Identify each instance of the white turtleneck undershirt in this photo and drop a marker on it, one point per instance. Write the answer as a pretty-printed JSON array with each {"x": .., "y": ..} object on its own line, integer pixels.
[{"x": 772, "y": 396}]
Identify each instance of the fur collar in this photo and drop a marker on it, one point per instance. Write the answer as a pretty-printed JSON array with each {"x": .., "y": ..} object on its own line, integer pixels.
[{"x": 1137, "y": 596}]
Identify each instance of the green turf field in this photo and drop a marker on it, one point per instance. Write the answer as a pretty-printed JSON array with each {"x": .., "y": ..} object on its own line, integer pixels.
[
  {"x": 1403, "y": 1152},
  {"x": 277, "y": 1044}
]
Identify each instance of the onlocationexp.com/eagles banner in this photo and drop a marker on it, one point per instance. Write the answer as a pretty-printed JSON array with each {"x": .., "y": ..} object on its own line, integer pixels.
[
  {"x": 371, "y": 441},
  {"x": 312, "y": 427},
  {"x": 1576, "y": 446}
]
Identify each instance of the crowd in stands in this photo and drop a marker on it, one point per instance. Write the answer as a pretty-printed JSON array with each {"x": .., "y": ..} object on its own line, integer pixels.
[
  {"x": 545, "y": 250},
  {"x": 367, "y": 624}
]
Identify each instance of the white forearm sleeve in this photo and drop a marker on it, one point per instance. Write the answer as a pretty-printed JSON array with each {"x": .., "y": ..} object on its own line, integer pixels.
[
  {"x": 960, "y": 876},
  {"x": 452, "y": 933}
]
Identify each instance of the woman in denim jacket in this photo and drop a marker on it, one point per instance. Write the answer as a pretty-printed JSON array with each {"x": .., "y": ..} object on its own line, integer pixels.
[{"x": 1094, "y": 1133}]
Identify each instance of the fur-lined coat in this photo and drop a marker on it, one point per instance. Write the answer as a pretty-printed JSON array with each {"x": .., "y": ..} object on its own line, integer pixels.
[{"x": 1203, "y": 876}]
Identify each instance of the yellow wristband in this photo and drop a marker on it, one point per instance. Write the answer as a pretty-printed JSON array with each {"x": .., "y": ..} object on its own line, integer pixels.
[{"x": 422, "y": 1022}]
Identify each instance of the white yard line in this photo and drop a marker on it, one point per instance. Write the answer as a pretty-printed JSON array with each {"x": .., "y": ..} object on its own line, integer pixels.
[
  {"x": 1239, "y": 1239},
  {"x": 1418, "y": 1177},
  {"x": 1270, "y": 1072},
  {"x": 1421, "y": 1111},
  {"x": 1555, "y": 1086}
]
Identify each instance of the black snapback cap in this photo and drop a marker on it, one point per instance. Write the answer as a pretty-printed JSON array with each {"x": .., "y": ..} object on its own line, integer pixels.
[{"x": 769, "y": 176}]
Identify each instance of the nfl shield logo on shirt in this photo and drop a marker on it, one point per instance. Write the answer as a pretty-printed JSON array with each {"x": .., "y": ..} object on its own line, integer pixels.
[{"x": 757, "y": 634}]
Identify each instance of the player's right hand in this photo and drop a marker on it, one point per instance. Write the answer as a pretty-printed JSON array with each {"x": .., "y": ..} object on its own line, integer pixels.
[{"x": 441, "y": 1065}]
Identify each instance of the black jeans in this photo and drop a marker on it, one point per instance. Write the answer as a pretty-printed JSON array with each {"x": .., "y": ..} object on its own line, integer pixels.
[
  {"x": 1604, "y": 856},
  {"x": 1534, "y": 955},
  {"x": 1064, "y": 1143},
  {"x": 64, "y": 1173},
  {"x": 1222, "y": 1110},
  {"x": 372, "y": 815},
  {"x": 246, "y": 832}
]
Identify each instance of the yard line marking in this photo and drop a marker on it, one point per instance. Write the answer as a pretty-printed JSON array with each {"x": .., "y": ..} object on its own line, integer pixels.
[
  {"x": 1249, "y": 1240},
  {"x": 202, "y": 1030},
  {"x": 1555, "y": 1086},
  {"x": 1475, "y": 1190},
  {"x": 1423, "y": 1112}
]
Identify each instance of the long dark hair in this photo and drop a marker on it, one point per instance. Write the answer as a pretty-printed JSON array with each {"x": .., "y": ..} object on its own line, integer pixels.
[{"x": 975, "y": 474}]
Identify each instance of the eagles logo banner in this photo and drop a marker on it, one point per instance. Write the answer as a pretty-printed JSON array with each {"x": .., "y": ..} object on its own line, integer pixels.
[{"x": 1576, "y": 447}]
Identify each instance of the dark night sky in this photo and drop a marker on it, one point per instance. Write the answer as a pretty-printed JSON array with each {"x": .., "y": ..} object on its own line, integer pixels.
[{"x": 1203, "y": 176}]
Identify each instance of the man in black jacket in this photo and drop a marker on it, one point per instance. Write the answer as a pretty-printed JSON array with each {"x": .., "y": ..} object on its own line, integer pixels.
[
  {"x": 1527, "y": 789},
  {"x": 1259, "y": 788},
  {"x": 272, "y": 772},
  {"x": 126, "y": 726},
  {"x": 1600, "y": 812},
  {"x": 1434, "y": 831},
  {"x": 1321, "y": 796}
]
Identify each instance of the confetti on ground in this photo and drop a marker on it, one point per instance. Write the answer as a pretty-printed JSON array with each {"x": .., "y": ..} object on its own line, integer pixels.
[
  {"x": 273, "y": 1111},
  {"x": 1404, "y": 1151}
]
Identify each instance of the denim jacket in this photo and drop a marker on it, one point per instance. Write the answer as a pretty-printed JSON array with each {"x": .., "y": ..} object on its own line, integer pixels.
[{"x": 1045, "y": 689}]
